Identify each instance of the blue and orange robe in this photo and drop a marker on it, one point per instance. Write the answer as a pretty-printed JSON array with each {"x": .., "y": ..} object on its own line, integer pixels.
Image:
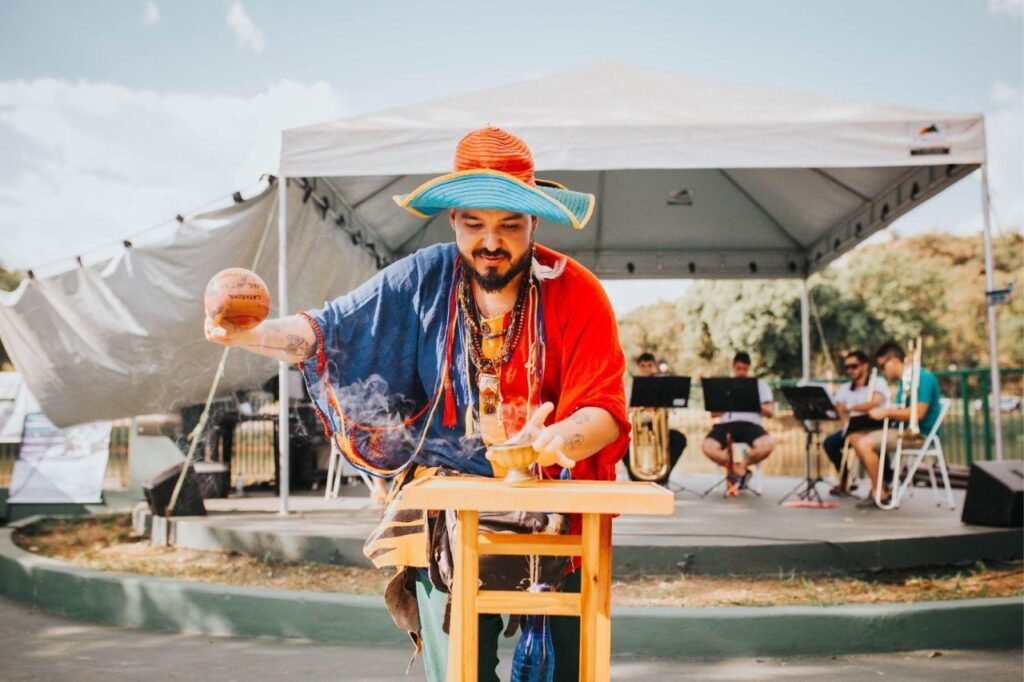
[{"x": 393, "y": 351}]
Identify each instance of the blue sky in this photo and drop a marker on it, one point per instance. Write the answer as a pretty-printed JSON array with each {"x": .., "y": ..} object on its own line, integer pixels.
[{"x": 155, "y": 107}]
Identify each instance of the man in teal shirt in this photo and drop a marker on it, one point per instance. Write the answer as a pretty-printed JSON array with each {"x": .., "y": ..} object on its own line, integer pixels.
[{"x": 890, "y": 359}]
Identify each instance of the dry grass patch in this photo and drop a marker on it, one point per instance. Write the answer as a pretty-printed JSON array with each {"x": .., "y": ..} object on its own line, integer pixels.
[{"x": 109, "y": 544}]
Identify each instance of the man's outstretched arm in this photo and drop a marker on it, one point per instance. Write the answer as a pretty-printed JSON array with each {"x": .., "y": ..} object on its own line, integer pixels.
[{"x": 288, "y": 339}]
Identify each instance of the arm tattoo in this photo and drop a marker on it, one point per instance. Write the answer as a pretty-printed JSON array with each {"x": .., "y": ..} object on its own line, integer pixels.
[
  {"x": 298, "y": 346},
  {"x": 292, "y": 344},
  {"x": 581, "y": 418},
  {"x": 574, "y": 441}
]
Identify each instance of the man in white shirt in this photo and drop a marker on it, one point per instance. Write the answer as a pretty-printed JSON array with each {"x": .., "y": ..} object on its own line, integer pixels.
[
  {"x": 744, "y": 427},
  {"x": 854, "y": 399}
]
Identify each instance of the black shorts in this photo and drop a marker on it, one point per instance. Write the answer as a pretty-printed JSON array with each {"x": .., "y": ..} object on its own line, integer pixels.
[{"x": 742, "y": 432}]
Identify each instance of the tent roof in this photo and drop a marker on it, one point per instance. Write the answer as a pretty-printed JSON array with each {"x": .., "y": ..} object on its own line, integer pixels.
[{"x": 694, "y": 178}]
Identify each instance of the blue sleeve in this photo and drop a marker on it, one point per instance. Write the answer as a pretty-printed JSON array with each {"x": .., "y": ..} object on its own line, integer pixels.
[{"x": 367, "y": 347}]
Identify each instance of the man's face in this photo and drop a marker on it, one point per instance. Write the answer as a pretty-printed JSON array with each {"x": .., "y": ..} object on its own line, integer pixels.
[
  {"x": 646, "y": 368},
  {"x": 892, "y": 367},
  {"x": 855, "y": 369},
  {"x": 494, "y": 244},
  {"x": 740, "y": 370}
]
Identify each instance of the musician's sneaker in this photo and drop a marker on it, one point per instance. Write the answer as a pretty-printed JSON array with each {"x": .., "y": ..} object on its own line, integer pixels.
[{"x": 733, "y": 482}]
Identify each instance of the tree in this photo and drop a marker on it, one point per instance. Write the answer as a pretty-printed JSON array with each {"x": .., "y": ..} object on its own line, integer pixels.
[{"x": 930, "y": 286}]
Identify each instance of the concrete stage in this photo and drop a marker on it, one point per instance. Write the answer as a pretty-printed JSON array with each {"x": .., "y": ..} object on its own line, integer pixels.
[{"x": 746, "y": 535}]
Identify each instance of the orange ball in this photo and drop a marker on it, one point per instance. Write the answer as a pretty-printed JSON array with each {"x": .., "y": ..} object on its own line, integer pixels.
[{"x": 237, "y": 296}]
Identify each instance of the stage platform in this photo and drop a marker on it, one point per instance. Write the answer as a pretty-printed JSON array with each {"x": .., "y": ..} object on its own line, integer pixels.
[{"x": 714, "y": 535}]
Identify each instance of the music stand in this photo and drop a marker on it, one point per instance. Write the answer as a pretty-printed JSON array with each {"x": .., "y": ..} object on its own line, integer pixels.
[
  {"x": 811, "y": 405},
  {"x": 730, "y": 395},
  {"x": 662, "y": 392},
  {"x": 667, "y": 391}
]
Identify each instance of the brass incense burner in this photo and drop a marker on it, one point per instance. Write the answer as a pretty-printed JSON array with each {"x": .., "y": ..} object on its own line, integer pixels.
[{"x": 516, "y": 458}]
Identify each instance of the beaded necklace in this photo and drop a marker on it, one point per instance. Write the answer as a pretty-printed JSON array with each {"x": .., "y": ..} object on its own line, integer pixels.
[{"x": 489, "y": 369}]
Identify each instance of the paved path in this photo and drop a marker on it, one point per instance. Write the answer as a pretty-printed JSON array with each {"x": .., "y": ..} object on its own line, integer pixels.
[{"x": 35, "y": 645}]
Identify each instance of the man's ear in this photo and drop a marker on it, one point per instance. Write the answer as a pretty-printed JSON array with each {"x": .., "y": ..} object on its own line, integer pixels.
[
  {"x": 535, "y": 220},
  {"x": 451, "y": 217}
]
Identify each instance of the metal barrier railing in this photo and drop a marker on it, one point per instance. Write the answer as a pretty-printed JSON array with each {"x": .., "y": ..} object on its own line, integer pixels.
[{"x": 966, "y": 433}]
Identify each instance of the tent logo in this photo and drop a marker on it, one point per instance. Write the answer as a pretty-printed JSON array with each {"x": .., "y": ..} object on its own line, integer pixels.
[{"x": 927, "y": 138}]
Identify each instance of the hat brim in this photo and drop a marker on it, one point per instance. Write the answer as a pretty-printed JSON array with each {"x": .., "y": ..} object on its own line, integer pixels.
[{"x": 493, "y": 189}]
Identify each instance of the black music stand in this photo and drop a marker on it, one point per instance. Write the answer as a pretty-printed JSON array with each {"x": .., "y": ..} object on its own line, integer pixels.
[
  {"x": 667, "y": 391},
  {"x": 662, "y": 392},
  {"x": 811, "y": 405},
  {"x": 730, "y": 395}
]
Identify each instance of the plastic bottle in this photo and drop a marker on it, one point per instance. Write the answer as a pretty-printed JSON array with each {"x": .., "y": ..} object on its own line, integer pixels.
[{"x": 534, "y": 659}]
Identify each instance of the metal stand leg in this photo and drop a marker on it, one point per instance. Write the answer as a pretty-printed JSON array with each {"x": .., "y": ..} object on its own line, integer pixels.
[{"x": 807, "y": 489}]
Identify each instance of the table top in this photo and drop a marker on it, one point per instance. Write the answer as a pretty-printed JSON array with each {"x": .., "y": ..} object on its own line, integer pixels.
[{"x": 494, "y": 494}]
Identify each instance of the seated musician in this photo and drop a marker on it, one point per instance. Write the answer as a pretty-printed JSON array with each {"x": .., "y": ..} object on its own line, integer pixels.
[
  {"x": 647, "y": 366},
  {"x": 854, "y": 399},
  {"x": 890, "y": 360},
  {"x": 744, "y": 427}
]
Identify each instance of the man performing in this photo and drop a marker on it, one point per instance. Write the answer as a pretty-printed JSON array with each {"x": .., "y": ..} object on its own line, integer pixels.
[
  {"x": 854, "y": 399},
  {"x": 647, "y": 366},
  {"x": 744, "y": 427},
  {"x": 890, "y": 359},
  {"x": 468, "y": 342}
]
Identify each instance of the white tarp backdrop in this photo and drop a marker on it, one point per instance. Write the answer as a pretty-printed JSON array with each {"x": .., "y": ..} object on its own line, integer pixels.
[
  {"x": 693, "y": 178},
  {"x": 125, "y": 337}
]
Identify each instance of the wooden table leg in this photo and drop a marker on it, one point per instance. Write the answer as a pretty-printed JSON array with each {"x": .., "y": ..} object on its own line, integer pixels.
[
  {"x": 603, "y": 619},
  {"x": 595, "y": 596},
  {"x": 463, "y": 638}
]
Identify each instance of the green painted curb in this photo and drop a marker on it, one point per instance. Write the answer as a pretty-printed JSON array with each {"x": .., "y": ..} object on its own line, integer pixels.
[
  {"x": 206, "y": 608},
  {"x": 189, "y": 606}
]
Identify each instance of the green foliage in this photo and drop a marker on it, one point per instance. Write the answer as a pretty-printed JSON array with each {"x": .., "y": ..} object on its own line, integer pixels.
[{"x": 930, "y": 286}]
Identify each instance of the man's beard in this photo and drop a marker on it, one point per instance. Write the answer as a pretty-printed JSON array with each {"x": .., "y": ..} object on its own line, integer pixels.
[{"x": 491, "y": 281}]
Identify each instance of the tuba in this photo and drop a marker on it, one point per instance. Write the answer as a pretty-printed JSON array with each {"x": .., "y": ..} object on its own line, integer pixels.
[{"x": 648, "y": 447}]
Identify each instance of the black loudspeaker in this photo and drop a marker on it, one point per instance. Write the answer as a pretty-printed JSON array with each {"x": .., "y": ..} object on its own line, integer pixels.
[
  {"x": 158, "y": 491},
  {"x": 212, "y": 478},
  {"x": 995, "y": 495}
]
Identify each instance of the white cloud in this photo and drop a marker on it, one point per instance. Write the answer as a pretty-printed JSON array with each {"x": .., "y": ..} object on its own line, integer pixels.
[
  {"x": 151, "y": 13},
  {"x": 1010, "y": 7},
  {"x": 247, "y": 33},
  {"x": 85, "y": 164}
]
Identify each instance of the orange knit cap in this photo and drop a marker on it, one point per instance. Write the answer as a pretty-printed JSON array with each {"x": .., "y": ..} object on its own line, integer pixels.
[{"x": 495, "y": 149}]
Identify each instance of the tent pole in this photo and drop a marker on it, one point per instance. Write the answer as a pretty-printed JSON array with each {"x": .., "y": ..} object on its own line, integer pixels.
[
  {"x": 283, "y": 432},
  {"x": 993, "y": 348},
  {"x": 805, "y": 330}
]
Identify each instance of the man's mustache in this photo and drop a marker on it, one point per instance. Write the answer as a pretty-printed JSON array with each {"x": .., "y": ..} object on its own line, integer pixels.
[{"x": 491, "y": 254}]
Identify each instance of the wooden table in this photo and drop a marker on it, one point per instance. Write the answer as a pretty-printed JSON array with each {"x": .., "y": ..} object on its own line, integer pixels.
[{"x": 597, "y": 501}]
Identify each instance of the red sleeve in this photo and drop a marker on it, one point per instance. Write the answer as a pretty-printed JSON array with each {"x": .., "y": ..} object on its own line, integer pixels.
[{"x": 592, "y": 365}]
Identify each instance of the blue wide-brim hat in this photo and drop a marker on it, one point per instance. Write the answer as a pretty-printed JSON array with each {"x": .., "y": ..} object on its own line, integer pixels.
[
  {"x": 494, "y": 170},
  {"x": 497, "y": 190}
]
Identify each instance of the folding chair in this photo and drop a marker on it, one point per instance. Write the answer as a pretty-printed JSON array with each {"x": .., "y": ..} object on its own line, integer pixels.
[{"x": 932, "y": 447}]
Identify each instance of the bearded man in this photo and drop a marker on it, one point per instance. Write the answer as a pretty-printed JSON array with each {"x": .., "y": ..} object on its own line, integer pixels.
[{"x": 467, "y": 343}]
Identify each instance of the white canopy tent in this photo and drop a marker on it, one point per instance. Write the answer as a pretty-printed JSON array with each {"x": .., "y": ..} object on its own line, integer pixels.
[{"x": 693, "y": 178}]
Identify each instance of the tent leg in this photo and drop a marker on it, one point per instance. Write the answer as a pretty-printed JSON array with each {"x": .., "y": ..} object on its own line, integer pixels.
[
  {"x": 993, "y": 348},
  {"x": 805, "y": 330},
  {"x": 282, "y": 371}
]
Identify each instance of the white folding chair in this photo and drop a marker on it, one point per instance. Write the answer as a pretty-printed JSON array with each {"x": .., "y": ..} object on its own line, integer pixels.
[{"x": 932, "y": 447}]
